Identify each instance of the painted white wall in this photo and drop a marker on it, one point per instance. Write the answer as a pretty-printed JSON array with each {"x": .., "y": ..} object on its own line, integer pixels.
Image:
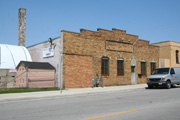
[{"x": 36, "y": 52}]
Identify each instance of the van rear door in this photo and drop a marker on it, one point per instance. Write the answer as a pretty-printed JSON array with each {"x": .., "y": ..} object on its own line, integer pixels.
[{"x": 177, "y": 75}]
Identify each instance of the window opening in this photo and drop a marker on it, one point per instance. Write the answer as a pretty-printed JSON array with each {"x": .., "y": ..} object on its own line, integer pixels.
[
  {"x": 105, "y": 66},
  {"x": 120, "y": 67},
  {"x": 153, "y": 66},
  {"x": 143, "y": 68},
  {"x": 177, "y": 56}
]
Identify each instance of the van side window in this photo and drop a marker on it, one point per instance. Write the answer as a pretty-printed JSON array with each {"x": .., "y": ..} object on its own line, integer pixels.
[{"x": 172, "y": 71}]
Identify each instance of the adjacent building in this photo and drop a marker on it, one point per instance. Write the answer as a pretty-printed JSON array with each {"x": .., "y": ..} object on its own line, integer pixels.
[
  {"x": 10, "y": 56},
  {"x": 35, "y": 75},
  {"x": 169, "y": 53}
]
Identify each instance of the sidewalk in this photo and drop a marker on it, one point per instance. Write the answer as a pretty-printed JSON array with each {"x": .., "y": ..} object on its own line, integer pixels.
[{"x": 66, "y": 92}]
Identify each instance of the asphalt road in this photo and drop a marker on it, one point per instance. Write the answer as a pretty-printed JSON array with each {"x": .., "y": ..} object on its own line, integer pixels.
[{"x": 140, "y": 104}]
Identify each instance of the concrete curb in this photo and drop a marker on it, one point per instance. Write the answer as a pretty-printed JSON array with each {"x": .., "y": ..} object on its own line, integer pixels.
[{"x": 67, "y": 92}]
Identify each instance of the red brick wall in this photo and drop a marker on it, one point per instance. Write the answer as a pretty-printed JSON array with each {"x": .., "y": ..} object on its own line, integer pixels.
[{"x": 78, "y": 71}]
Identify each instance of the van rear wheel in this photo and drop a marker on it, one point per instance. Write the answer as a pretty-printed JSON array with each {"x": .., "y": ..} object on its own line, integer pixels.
[{"x": 168, "y": 84}]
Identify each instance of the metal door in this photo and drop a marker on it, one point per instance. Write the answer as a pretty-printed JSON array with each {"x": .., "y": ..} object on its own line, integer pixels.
[{"x": 133, "y": 71}]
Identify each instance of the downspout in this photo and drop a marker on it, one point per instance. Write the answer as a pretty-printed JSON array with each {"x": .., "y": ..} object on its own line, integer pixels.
[
  {"x": 133, "y": 48},
  {"x": 133, "y": 79}
]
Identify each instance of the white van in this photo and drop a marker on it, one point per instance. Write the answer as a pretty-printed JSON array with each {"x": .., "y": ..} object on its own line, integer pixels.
[{"x": 164, "y": 76}]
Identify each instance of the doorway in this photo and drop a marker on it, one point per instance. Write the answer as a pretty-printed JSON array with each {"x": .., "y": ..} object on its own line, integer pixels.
[{"x": 133, "y": 71}]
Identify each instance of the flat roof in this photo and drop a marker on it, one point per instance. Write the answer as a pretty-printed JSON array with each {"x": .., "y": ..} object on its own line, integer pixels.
[{"x": 166, "y": 41}]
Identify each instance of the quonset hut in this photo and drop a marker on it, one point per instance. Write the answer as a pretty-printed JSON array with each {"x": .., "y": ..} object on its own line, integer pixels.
[{"x": 10, "y": 56}]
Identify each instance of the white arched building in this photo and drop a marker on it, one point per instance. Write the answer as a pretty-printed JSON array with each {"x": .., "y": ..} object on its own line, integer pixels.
[{"x": 10, "y": 56}]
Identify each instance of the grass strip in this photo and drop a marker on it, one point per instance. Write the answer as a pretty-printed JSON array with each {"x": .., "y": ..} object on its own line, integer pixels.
[{"x": 22, "y": 90}]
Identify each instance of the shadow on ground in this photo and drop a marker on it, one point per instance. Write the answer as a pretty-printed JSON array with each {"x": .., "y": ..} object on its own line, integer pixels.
[{"x": 163, "y": 87}]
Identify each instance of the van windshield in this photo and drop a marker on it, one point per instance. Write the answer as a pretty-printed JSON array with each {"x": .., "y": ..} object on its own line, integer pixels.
[{"x": 160, "y": 71}]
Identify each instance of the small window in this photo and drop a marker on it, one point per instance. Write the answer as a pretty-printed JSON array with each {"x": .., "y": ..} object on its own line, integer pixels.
[
  {"x": 143, "y": 68},
  {"x": 105, "y": 66},
  {"x": 177, "y": 56},
  {"x": 120, "y": 67},
  {"x": 153, "y": 66}
]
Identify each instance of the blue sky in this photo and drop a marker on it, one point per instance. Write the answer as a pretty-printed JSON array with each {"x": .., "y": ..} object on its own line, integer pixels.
[{"x": 153, "y": 20}]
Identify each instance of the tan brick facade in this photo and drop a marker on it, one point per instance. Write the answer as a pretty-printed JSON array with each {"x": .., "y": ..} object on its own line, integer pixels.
[
  {"x": 84, "y": 51},
  {"x": 78, "y": 71}
]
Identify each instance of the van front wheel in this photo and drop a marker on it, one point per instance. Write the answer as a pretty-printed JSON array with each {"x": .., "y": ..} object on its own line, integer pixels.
[{"x": 168, "y": 85}]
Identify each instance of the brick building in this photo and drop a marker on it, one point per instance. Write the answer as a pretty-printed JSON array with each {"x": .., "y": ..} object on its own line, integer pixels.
[
  {"x": 119, "y": 57},
  {"x": 169, "y": 53}
]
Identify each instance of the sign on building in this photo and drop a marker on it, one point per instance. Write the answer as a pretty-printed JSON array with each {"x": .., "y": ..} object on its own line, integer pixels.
[{"x": 48, "y": 52}]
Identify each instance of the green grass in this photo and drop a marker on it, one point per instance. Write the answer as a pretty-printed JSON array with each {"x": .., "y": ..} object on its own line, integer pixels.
[{"x": 22, "y": 90}]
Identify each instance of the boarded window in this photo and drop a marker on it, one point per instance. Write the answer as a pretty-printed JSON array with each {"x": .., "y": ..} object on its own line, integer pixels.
[
  {"x": 153, "y": 66},
  {"x": 120, "y": 67},
  {"x": 143, "y": 68},
  {"x": 105, "y": 66}
]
